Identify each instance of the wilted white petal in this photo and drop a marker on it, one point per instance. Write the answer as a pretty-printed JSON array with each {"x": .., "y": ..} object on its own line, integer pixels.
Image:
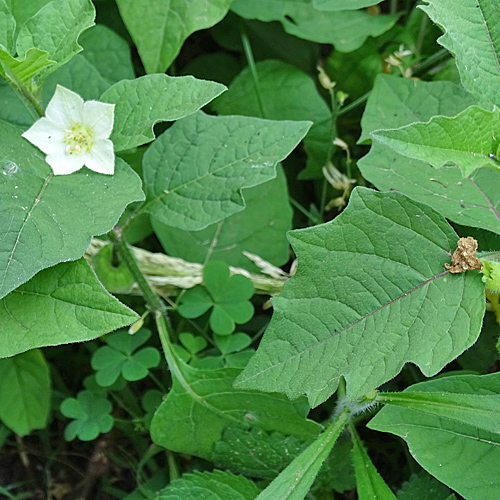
[
  {"x": 101, "y": 158},
  {"x": 65, "y": 108},
  {"x": 99, "y": 116},
  {"x": 45, "y": 135},
  {"x": 64, "y": 163}
]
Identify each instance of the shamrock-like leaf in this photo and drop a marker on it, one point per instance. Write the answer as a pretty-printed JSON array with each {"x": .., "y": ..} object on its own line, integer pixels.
[
  {"x": 91, "y": 414},
  {"x": 119, "y": 357},
  {"x": 74, "y": 133},
  {"x": 227, "y": 295}
]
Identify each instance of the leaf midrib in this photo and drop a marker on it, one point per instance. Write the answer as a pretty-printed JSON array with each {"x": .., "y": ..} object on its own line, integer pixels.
[{"x": 25, "y": 221}]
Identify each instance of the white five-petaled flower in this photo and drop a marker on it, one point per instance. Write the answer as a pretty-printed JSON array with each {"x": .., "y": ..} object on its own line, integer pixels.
[{"x": 74, "y": 133}]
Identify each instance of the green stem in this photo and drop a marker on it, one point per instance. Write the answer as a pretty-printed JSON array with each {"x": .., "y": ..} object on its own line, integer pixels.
[
  {"x": 394, "y": 6},
  {"x": 308, "y": 214},
  {"x": 251, "y": 63},
  {"x": 152, "y": 300},
  {"x": 421, "y": 34},
  {"x": 431, "y": 61},
  {"x": 173, "y": 468}
]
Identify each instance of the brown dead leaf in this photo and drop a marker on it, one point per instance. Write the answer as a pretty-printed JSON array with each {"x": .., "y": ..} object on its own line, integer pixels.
[{"x": 464, "y": 257}]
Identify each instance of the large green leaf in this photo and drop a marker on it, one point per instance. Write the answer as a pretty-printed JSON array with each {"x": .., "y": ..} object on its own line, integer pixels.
[
  {"x": 7, "y": 27},
  {"x": 347, "y": 30},
  {"x": 395, "y": 102},
  {"x": 369, "y": 483},
  {"x": 296, "y": 480},
  {"x": 48, "y": 219},
  {"x": 472, "y": 33},
  {"x": 142, "y": 102},
  {"x": 55, "y": 28},
  {"x": 259, "y": 229},
  {"x": 284, "y": 93},
  {"x": 195, "y": 171},
  {"x": 63, "y": 304},
  {"x": 360, "y": 305},
  {"x": 24, "y": 391},
  {"x": 468, "y": 140},
  {"x": 462, "y": 456},
  {"x": 470, "y": 201},
  {"x": 216, "y": 485},
  {"x": 202, "y": 403},
  {"x": 343, "y": 4},
  {"x": 159, "y": 27}
]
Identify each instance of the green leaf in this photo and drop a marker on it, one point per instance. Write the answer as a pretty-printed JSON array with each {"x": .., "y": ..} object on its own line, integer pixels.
[
  {"x": 24, "y": 9},
  {"x": 232, "y": 343},
  {"x": 7, "y": 27},
  {"x": 108, "y": 52},
  {"x": 462, "y": 456},
  {"x": 254, "y": 452},
  {"x": 66, "y": 303},
  {"x": 159, "y": 27},
  {"x": 295, "y": 481},
  {"x": 228, "y": 295},
  {"x": 202, "y": 403},
  {"x": 395, "y": 102},
  {"x": 369, "y": 483},
  {"x": 24, "y": 391},
  {"x": 469, "y": 201},
  {"x": 480, "y": 411},
  {"x": 335, "y": 5},
  {"x": 347, "y": 30},
  {"x": 47, "y": 219},
  {"x": 261, "y": 454},
  {"x": 472, "y": 34},
  {"x": 78, "y": 75},
  {"x": 91, "y": 414},
  {"x": 215, "y": 485},
  {"x": 55, "y": 28},
  {"x": 142, "y": 102},
  {"x": 421, "y": 486},
  {"x": 120, "y": 357},
  {"x": 22, "y": 70},
  {"x": 12, "y": 108},
  {"x": 104, "y": 61},
  {"x": 259, "y": 229},
  {"x": 192, "y": 343},
  {"x": 284, "y": 93},
  {"x": 367, "y": 304},
  {"x": 238, "y": 152},
  {"x": 467, "y": 140}
]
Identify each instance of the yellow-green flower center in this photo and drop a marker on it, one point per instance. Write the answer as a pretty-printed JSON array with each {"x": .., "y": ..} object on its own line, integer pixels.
[{"x": 78, "y": 139}]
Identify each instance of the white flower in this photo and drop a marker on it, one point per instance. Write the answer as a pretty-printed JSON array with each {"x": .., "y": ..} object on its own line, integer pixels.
[{"x": 74, "y": 133}]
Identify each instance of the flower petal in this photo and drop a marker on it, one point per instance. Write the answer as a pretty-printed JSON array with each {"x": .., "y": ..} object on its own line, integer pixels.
[
  {"x": 99, "y": 116},
  {"x": 47, "y": 136},
  {"x": 63, "y": 164},
  {"x": 101, "y": 158},
  {"x": 65, "y": 108}
]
